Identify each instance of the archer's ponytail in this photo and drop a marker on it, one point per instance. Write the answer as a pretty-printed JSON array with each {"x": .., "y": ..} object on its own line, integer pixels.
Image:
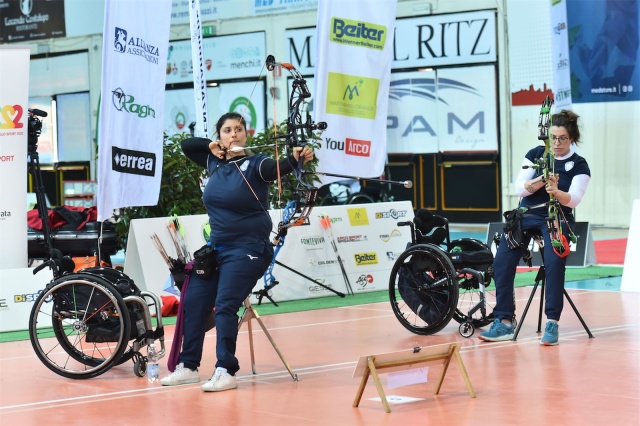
[{"x": 569, "y": 120}]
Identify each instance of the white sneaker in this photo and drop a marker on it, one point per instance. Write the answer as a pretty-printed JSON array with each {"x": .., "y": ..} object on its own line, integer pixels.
[
  {"x": 220, "y": 381},
  {"x": 181, "y": 376}
]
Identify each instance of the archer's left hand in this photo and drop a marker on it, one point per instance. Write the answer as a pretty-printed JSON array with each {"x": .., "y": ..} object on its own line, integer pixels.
[{"x": 306, "y": 153}]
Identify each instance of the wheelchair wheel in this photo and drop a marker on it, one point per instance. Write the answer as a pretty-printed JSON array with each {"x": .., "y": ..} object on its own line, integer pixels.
[
  {"x": 423, "y": 289},
  {"x": 476, "y": 301},
  {"x": 79, "y": 326}
]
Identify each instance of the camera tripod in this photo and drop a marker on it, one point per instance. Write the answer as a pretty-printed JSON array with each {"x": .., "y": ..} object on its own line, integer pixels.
[{"x": 35, "y": 127}]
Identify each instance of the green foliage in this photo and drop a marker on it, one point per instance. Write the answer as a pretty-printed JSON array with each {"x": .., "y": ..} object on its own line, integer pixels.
[{"x": 180, "y": 192}]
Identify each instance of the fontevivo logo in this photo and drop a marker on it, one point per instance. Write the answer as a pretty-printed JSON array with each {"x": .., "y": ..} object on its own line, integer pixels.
[
  {"x": 352, "y": 95},
  {"x": 358, "y": 33}
]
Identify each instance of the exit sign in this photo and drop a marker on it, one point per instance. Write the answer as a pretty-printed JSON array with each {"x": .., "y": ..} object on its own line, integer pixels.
[{"x": 208, "y": 31}]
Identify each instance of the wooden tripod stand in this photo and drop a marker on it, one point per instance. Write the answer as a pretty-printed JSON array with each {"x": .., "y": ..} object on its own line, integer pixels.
[{"x": 248, "y": 314}]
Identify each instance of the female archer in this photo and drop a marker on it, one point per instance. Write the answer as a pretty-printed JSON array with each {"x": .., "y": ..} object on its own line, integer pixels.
[
  {"x": 235, "y": 198},
  {"x": 567, "y": 186}
]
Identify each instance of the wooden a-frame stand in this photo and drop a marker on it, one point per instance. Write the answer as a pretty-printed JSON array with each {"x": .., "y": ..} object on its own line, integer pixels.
[
  {"x": 248, "y": 314},
  {"x": 403, "y": 360}
]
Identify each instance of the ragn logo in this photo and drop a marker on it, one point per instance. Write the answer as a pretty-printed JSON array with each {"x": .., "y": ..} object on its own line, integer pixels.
[
  {"x": 352, "y": 95},
  {"x": 134, "y": 46},
  {"x": 391, "y": 214},
  {"x": 370, "y": 258},
  {"x": 133, "y": 162},
  {"x": 127, "y": 103},
  {"x": 358, "y": 33}
]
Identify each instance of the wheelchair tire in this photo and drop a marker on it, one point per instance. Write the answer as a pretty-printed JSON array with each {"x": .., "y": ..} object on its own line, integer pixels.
[
  {"x": 474, "y": 306},
  {"x": 423, "y": 289},
  {"x": 79, "y": 326}
]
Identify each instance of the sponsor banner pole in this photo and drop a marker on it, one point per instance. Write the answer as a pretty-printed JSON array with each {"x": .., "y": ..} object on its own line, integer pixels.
[
  {"x": 130, "y": 136},
  {"x": 560, "y": 49},
  {"x": 199, "y": 80},
  {"x": 14, "y": 98},
  {"x": 353, "y": 70}
]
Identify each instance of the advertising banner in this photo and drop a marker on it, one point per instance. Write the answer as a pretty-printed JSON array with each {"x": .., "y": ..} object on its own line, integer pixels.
[
  {"x": 604, "y": 47},
  {"x": 355, "y": 50},
  {"x": 199, "y": 81},
  {"x": 560, "y": 49},
  {"x": 130, "y": 136},
  {"x": 14, "y": 97},
  {"x": 225, "y": 57},
  {"x": 24, "y": 21},
  {"x": 453, "y": 109},
  {"x": 366, "y": 236}
]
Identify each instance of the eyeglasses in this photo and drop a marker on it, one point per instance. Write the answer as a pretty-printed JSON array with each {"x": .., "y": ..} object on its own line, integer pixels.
[{"x": 560, "y": 139}]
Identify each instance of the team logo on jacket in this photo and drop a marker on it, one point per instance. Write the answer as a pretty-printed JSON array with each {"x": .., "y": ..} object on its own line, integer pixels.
[{"x": 569, "y": 165}]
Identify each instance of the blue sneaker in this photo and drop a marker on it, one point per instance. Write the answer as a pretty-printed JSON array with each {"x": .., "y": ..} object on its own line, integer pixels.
[
  {"x": 550, "y": 337},
  {"x": 498, "y": 332}
]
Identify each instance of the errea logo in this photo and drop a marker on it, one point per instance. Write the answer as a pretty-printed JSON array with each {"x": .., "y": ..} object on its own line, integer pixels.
[{"x": 133, "y": 162}]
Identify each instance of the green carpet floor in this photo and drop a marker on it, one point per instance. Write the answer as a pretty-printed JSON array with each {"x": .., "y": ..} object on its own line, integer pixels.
[{"x": 267, "y": 308}]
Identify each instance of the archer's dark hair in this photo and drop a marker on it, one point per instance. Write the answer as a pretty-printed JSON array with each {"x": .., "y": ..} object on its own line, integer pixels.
[
  {"x": 569, "y": 120},
  {"x": 229, "y": 116}
]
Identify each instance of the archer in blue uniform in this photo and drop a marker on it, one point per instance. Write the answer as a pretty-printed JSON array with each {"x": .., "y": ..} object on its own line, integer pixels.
[
  {"x": 572, "y": 176},
  {"x": 236, "y": 200}
]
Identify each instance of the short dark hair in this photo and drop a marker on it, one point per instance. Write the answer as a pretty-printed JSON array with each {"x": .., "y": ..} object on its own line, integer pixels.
[
  {"x": 569, "y": 120},
  {"x": 229, "y": 116}
]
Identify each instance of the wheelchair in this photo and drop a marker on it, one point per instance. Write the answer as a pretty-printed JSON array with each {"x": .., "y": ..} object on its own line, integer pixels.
[
  {"x": 436, "y": 279},
  {"x": 82, "y": 322}
]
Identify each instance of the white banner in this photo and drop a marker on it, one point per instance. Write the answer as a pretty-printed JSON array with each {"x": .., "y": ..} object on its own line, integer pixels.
[
  {"x": 367, "y": 237},
  {"x": 453, "y": 109},
  {"x": 199, "y": 81},
  {"x": 14, "y": 97},
  {"x": 355, "y": 50},
  {"x": 130, "y": 137},
  {"x": 560, "y": 49}
]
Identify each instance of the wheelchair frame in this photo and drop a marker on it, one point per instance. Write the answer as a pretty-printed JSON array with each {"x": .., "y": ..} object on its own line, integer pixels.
[
  {"x": 430, "y": 285},
  {"x": 81, "y": 323}
]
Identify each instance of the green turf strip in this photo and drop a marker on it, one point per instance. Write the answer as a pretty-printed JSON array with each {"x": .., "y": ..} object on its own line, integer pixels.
[{"x": 267, "y": 308}]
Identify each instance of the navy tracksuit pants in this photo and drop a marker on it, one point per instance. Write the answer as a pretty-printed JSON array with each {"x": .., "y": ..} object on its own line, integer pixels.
[
  {"x": 238, "y": 271},
  {"x": 507, "y": 259}
]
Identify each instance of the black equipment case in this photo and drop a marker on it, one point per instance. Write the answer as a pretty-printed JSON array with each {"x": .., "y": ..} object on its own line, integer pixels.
[{"x": 73, "y": 242}]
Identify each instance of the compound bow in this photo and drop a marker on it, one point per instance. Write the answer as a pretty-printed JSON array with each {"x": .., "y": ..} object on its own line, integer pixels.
[{"x": 546, "y": 166}]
